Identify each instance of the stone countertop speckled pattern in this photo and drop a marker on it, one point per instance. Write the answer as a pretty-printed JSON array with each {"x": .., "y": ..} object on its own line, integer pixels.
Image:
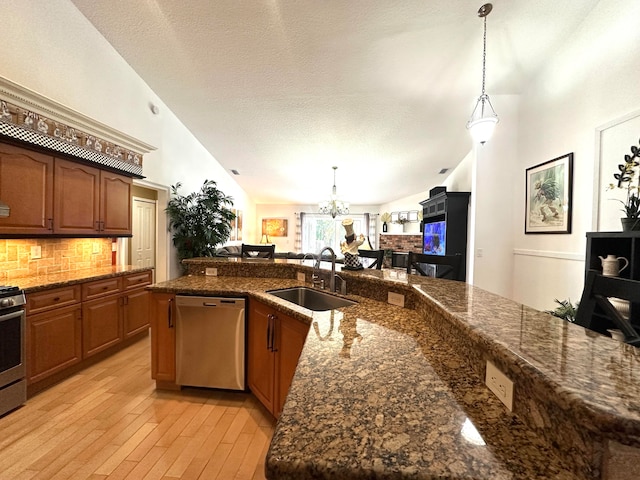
[
  {"x": 376, "y": 390},
  {"x": 37, "y": 283},
  {"x": 576, "y": 392}
]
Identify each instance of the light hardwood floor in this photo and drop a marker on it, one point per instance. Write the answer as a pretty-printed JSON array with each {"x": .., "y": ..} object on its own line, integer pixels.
[{"x": 109, "y": 422}]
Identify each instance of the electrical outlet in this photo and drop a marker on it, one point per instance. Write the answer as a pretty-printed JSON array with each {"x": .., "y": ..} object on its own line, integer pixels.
[
  {"x": 300, "y": 276},
  {"x": 36, "y": 252},
  {"x": 96, "y": 247},
  {"x": 479, "y": 252},
  {"x": 395, "y": 299},
  {"x": 211, "y": 271},
  {"x": 500, "y": 385}
]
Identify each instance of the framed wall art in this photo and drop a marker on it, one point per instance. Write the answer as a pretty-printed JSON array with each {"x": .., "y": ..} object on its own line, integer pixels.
[
  {"x": 275, "y": 227},
  {"x": 548, "y": 196}
]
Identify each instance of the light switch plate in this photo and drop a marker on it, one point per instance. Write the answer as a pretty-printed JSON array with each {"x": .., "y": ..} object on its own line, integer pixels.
[
  {"x": 211, "y": 271},
  {"x": 36, "y": 252},
  {"x": 95, "y": 247},
  {"x": 300, "y": 276},
  {"x": 500, "y": 385},
  {"x": 395, "y": 299}
]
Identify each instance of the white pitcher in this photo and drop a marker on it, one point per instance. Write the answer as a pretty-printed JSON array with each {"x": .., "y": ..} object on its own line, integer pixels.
[{"x": 611, "y": 265}]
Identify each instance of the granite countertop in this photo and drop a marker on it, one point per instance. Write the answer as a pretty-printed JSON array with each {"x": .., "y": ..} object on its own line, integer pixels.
[
  {"x": 387, "y": 392},
  {"x": 37, "y": 283}
]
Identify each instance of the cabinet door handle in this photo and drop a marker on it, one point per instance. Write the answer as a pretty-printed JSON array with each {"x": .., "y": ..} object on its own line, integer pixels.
[
  {"x": 102, "y": 226},
  {"x": 269, "y": 331},
  {"x": 169, "y": 319},
  {"x": 273, "y": 333},
  {"x": 97, "y": 225},
  {"x": 50, "y": 222}
]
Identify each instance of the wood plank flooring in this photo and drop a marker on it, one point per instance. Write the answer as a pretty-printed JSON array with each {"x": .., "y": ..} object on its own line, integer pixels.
[{"x": 109, "y": 422}]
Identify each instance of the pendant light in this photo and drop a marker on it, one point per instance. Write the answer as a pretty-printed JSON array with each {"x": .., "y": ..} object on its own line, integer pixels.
[
  {"x": 483, "y": 118},
  {"x": 333, "y": 206}
]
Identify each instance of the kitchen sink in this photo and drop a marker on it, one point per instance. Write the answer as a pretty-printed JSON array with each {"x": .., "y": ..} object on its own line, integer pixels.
[{"x": 312, "y": 299}]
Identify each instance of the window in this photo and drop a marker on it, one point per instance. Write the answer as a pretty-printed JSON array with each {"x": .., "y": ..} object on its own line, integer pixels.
[{"x": 319, "y": 231}]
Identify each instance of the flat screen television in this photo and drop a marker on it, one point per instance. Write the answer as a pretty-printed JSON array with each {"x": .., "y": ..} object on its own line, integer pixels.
[{"x": 434, "y": 239}]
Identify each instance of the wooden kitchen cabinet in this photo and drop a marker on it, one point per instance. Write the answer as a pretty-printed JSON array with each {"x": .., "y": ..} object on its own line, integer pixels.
[
  {"x": 101, "y": 324},
  {"x": 275, "y": 341},
  {"x": 90, "y": 201},
  {"x": 260, "y": 357},
  {"x": 136, "y": 303},
  {"x": 54, "y": 332},
  {"x": 163, "y": 339},
  {"x": 26, "y": 186}
]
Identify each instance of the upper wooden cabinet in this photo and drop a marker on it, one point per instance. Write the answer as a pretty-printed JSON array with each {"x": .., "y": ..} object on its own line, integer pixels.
[
  {"x": 90, "y": 201},
  {"x": 26, "y": 186},
  {"x": 48, "y": 195}
]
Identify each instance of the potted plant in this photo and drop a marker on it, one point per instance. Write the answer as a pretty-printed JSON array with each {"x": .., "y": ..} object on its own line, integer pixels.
[
  {"x": 566, "y": 310},
  {"x": 628, "y": 179},
  {"x": 200, "y": 221}
]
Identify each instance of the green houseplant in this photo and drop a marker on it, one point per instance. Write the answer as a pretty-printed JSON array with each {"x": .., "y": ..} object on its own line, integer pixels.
[
  {"x": 628, "y": 179},
  {"x": 200, "y": 220},
  {"x": 565, "y": 310}
]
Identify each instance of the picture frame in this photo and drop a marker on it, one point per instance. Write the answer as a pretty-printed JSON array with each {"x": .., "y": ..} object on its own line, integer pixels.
[
  {"x": 275, "y": 227},
  {"x": 549, "y": 191},
  {"x": 413, "y": 216},
  {"x": 394, "y": 217}
]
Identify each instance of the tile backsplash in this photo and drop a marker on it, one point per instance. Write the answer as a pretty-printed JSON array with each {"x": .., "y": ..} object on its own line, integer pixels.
[{"x": 57, "y": 255}]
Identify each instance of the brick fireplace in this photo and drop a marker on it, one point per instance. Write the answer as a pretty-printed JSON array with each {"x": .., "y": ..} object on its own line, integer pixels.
[{"x": 400, "y": 243}]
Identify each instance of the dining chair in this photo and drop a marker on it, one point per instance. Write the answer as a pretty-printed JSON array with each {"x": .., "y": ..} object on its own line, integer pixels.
[
  {"x": 598, "y": 289},
  {"x": 261, "y": 251},
  {"x": 447, "y": 266},
  {"x": 377, "y": 255}
]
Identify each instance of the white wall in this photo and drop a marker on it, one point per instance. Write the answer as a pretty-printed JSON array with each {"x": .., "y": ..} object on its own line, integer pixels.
[
  {"x": 49, "y": 47},
  {"x": 592, "y": 80}
]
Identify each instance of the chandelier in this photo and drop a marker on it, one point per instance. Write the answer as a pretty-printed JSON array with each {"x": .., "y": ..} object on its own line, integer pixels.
[
  {"x": 333, "y": 206},
  {"x": 483, "y": 118}
]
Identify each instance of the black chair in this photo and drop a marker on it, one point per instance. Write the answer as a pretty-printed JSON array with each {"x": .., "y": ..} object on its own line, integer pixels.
[
  {"x": 378, "y": 255},
  {"x": 597, "y": 290},
  {"x": 447, "y": 266},
  {"x": 261, "y": 251}
]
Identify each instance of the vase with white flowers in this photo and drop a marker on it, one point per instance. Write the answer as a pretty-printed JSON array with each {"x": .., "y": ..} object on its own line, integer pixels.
[{"x": 628, "y": 179}]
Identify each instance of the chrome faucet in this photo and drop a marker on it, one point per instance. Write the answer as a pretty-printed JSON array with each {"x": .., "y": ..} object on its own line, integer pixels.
[{"x": 316, "y": 268}]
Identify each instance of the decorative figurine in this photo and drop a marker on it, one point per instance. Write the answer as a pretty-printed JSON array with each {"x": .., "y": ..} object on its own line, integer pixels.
[{"x": 350, "y": 247}]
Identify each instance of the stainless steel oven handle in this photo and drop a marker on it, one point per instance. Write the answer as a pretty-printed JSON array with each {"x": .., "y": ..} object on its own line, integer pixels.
[{"x": 12, "y": 315}]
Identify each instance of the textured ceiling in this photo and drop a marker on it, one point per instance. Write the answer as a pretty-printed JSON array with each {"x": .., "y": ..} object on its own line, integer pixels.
[{"x": 282, "y": 90}]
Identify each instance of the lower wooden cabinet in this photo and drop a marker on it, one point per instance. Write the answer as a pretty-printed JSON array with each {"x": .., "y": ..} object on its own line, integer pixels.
[
  {"x": 135, "y": 312},
  {"x": 70, "y": 324},
  {"x": 101, "y": 325},
  {"x": 274, "y": 344},
  {"x": 163, "y": 338},
  {"x": 54, "y": 342}
]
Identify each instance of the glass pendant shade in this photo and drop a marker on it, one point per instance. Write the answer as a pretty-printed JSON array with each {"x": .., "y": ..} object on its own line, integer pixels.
[{"x": 483, "y": 120}]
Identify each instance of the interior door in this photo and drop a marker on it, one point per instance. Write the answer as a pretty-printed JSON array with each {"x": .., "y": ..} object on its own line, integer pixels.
[{"x": 143, "y": 241}]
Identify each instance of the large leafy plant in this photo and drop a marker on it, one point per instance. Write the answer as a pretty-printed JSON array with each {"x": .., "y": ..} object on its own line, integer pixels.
[{"x": 200, "y": 220}]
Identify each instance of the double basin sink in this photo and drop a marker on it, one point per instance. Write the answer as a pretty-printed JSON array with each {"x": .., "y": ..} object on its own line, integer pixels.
[{"x": 312, "y": 299}]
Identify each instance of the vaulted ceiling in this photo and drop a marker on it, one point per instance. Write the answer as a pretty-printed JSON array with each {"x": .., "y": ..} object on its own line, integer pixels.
[{"x": 282, "y": 90}]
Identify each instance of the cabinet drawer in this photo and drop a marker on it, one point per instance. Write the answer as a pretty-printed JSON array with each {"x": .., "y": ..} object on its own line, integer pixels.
[
  {"x": 54, "y": 298},
  {"x": 100, "y": 288},
  {"x": 136, "y": 280}
]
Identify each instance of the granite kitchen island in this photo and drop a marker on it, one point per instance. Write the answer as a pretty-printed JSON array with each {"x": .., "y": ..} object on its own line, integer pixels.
[{"x": 382, "y": 391}]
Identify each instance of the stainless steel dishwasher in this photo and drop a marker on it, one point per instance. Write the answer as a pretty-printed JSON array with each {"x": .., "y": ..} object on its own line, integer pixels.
[{"x": 210, "y": 340}]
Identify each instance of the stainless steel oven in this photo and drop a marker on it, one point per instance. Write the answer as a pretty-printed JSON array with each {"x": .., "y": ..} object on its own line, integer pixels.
[{"x": 13, "y": 386}]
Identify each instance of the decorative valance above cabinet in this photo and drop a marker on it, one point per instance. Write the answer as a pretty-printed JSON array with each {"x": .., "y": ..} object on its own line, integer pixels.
[
  {"x": 61, "y": 172},
  {"x": 32, "y": 119}
]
